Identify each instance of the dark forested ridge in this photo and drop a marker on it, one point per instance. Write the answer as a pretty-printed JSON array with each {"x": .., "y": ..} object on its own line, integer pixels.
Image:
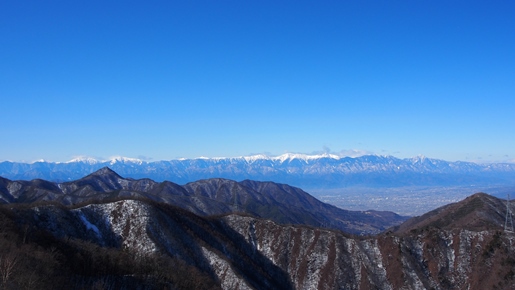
[
  {"x": 279, "y": 202},
  {"x": 134, "y": 244}
]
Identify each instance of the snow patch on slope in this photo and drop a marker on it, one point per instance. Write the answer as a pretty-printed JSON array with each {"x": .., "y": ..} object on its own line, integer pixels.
[
  {"x": 129, "y": 219},
  {"x": 89, "y": 225},
  {"x": 223, "y": 270}
]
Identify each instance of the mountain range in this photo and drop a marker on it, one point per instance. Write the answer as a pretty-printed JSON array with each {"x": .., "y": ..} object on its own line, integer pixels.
[
  {"x": 278, "y": 202},
  {"x": 107, "y": 232},
  {"x": 305, "y": 171}
]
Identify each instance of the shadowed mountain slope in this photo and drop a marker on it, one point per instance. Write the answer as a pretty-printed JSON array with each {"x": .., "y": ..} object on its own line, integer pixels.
[
  {"x": 278, "y": 202},
  {"x": 132, "y": 244}
]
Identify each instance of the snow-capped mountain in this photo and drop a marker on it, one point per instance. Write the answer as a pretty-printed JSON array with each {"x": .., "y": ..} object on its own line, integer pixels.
[
  {"x": 112, "y": 160},
  {"x": 306, "y": 171},
  {"x": 83, "y": 159}
]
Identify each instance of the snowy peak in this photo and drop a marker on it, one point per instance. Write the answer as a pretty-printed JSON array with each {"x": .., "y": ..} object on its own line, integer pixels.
[
  {"x": 289, "y": 157},
  {"x": 302, "y": 170},
  {"x": 121, "y": 159},
  {"x": 83, "y": 159},
  {"x": 111, "y": 160},
  {"x": 419, "y": 159},
  {"x": 280, "y": 158},
  {"x": 254, "y": 158},
  {"x": 304, "y": 157}
]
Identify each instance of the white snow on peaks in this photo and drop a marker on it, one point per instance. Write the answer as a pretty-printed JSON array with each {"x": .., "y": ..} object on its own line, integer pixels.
[
  {"x": 122, "y": 159},
  {"x": 249, "y": 158},
  {"x": 83, "y": 159},
  {"x": 285, "y": 157},
  {"x": 304, "y": 157},
  {"x": 418, "y": 158},
  {"x": 111, "y": 160},
  {"x": 254, "y": 158}
]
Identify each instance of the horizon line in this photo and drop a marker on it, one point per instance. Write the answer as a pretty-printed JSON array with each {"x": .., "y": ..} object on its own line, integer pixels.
[{"x": 251, "y": 157}]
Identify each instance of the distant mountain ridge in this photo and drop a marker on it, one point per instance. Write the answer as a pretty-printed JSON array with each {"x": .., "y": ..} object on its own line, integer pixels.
[{"x": 306, "y": 171}]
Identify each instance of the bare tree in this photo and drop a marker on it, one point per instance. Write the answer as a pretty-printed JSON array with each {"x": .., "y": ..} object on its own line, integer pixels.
[{"x": 7, "y": 265}]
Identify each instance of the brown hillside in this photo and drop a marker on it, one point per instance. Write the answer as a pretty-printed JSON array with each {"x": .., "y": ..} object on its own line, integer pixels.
[{"x": 477, "y": 212}]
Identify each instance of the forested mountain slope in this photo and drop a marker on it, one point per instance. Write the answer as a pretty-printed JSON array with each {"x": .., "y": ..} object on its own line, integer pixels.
[{"x": 142, "y": 244}]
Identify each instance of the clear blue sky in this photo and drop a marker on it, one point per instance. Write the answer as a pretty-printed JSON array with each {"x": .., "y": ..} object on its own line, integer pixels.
[{"x": 168, "y": 79}]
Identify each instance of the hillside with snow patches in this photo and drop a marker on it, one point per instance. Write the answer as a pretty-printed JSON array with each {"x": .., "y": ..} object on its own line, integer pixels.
[{"x": 143, "y": 244}]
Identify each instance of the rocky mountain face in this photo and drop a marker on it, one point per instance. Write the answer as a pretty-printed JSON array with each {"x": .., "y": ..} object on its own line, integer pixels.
[
  {"x": 139, "y": 244},
  {"x": 305, "y": 171},
  {"x": 427, "y": 259},
  {"x": 278, "y": 202}
]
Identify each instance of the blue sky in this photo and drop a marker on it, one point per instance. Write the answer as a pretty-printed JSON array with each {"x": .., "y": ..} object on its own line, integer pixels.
[{"x": 168, "y": 79}]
